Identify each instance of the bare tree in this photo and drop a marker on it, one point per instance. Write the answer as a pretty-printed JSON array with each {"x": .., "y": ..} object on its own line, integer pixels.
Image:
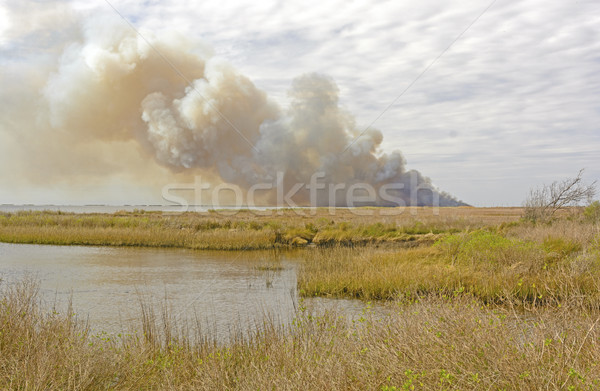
[{"x": 543, "y": 202}]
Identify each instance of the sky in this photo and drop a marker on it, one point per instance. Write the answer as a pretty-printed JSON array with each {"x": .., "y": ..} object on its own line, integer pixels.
[{"x": 487, "y": 99}]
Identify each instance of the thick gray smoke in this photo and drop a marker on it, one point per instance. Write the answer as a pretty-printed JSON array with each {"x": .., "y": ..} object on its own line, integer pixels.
[{"x": 113, "y": 86}]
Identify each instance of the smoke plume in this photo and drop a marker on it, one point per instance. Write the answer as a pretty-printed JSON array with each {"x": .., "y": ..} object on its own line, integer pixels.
[{"x": 193, "y": 113}]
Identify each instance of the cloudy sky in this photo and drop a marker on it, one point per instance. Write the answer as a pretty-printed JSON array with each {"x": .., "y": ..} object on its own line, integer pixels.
[{"x": 513, "y": 103}]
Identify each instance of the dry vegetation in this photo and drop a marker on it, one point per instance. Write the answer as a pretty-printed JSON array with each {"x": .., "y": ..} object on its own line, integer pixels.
[
  {"x": 473, "y": 299},
  {"x": 516, "y": 263},
  {"x": 224, "y": 230},
  {"x": 432, "y": 344}
]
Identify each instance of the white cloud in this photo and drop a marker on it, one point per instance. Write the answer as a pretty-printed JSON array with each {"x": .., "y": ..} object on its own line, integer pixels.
[
  {"x": 4, "y": 25},
  {"x": 514, "y": 102}
]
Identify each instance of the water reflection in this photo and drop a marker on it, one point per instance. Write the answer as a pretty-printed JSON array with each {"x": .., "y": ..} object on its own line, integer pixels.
[{"x": 222, "y": 290}]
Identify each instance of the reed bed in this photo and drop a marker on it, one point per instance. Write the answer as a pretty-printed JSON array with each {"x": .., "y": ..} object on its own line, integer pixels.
[
  {"x": 431, "y": 344},
  {"x": 533, "y": 264},
  {"x": 474, "y": 300},
  {"x": 229, "y": 230},
  {"x": 216, "y": 239}
]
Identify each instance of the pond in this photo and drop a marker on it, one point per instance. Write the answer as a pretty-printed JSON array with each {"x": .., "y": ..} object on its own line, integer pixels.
[{"x": 221, "y": 292}]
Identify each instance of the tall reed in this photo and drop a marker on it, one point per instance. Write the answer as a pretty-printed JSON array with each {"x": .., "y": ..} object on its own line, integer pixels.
[{"x": 432, "y": 344}]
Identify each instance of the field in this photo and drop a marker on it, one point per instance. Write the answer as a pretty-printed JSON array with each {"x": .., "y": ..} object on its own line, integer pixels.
[{"x": 470, "y": 298}]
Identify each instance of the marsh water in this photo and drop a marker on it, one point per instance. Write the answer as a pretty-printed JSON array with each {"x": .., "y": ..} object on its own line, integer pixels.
[{"x": 221, "y": 292}]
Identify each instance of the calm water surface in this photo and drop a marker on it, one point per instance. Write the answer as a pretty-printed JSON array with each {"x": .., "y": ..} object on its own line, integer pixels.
[{"x": 222, "y": 291}]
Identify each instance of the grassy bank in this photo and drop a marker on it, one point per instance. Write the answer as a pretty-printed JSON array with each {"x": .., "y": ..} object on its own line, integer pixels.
[
  {"x": 246, "y": 229},
  {"x": 519, "y": 262},
  {"x": 432, "y": 344},
  {"x": 367, "y": 253},
  {"x": 472, "y": 299}
]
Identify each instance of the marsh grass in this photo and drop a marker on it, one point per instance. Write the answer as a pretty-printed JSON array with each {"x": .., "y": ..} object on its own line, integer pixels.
[
  {"x": 244, "y": 229},
  {"x": 475, "y": 299},
  {"x": 487, "y": 264},
  {"x": 270, "y": 267},
  {"x": 489, "y": 253},
  {"x": 434, "y": 343},
  {"x": 218, "y": 239}
]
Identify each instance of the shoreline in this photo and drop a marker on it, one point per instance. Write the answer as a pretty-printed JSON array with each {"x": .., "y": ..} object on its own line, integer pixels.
[{"x": 245, "y": 230}]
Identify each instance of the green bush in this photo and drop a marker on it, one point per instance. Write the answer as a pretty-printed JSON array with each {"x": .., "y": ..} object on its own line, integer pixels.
[{"x": 592, "y": 212}]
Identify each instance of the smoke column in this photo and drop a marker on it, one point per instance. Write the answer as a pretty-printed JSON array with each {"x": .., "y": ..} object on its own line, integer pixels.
[{"x": 112, "y": 86}]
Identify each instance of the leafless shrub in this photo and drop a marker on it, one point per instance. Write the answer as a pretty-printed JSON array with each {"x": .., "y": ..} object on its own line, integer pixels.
[{"x": 543, "y": 202}]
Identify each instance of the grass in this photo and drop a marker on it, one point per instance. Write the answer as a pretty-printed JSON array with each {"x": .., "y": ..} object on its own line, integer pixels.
[
  {"x": 488, "y": 253},
  {"x": 470, "y": 299},
  {"x": 431, "y": 344},
  {"x": 217, "y": 239},
  {"x": 519, "y": 263},
  {"x": 245, "y": 229}
]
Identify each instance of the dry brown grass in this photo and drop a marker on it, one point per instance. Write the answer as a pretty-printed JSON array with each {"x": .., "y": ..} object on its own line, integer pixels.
[
  {"x": 246, "y": 229},
  {"x": 487, "y": 252},
  {"x": 572, "y": 230},
  {"x": 433, "y": 344},
  {"x": 514, "y": 263},
  {"x": 216, "y": 239},
  {"x": 483, "y": 302}
]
